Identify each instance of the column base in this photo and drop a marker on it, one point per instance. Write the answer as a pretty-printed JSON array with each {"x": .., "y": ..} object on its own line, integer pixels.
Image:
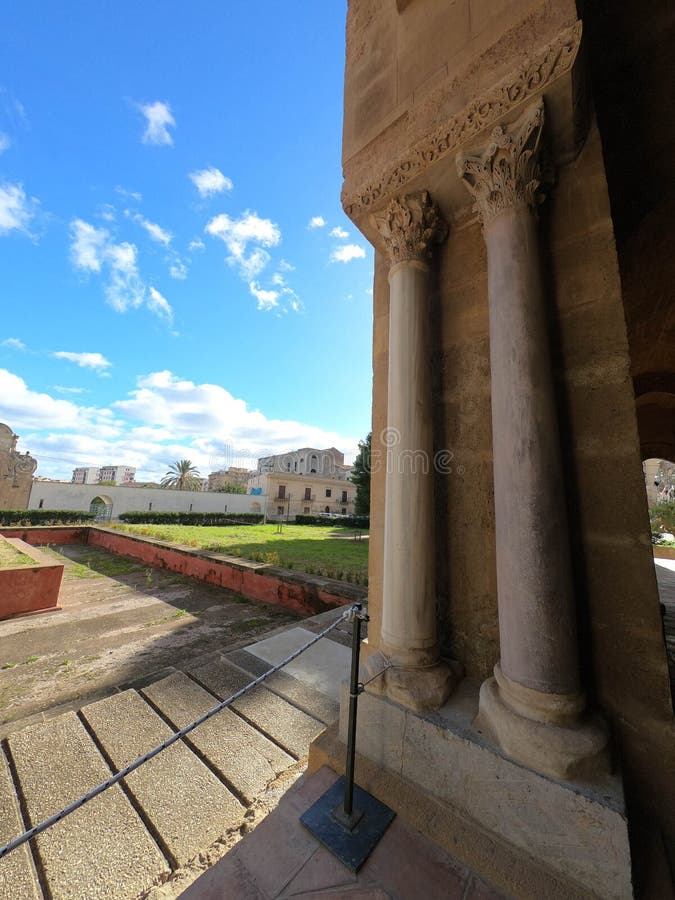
[
  {"x": 568, "y": 751},
  {"x": 421, "y": 689}
]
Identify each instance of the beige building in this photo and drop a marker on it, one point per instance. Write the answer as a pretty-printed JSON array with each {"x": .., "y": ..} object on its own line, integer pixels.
[
  {"x": 511, "y": 165},
  {"x": 96, "y": 474},
  {"x": 329, "y": 463},
  {"x": 289, "y": 495},
  {"x": 231, "y": 475}
]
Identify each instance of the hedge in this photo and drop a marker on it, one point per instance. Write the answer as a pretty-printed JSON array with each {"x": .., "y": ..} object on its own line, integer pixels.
[
  {"x": 190, "y": 518},
  {"x": 43, "y": 516},
  {"x": 343, "y": 521}
]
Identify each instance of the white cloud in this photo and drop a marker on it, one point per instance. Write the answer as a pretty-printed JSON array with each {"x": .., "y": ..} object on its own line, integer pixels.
[
  {"x": 93, "y": 250},
  {"x": 160, "y": 305},
  {"x": 16, "y": 210},
  {"x": 5, "y": 142},
  {"x": 70, "y": 390},
  {"x": 108, "y": 212},
  {"x": 210, "y": 181},
  {"x": 317, "y": 222},
  {"x": 156, "y": 232},
  {"x": 158, "y": 119},
  {"x": 238, "y": 234},
  {"x": 178, "y": 270},
  {"x": 266, "y": 299},
  {"x": 278, "y": 279},
  {"x": 347, "y": 252},
  {"x": 95, "y": 361},
  {"x": 14, "y": 343},
  {"x": 286, "y": 266},
  {"x": 340, "y": 233},
  {"x": 163, "y": 419},
  {"x": 196, "y": 245},
  {"x": 130, "y": 195}
]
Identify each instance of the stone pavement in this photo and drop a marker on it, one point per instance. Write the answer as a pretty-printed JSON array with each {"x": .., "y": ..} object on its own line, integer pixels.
[
  {"x": 164, "y": 824},
  {"x": 280, "y": 859}
]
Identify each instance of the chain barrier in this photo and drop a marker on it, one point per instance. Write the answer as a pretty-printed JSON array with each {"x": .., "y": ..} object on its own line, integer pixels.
[{"x": 348, "y": 615}]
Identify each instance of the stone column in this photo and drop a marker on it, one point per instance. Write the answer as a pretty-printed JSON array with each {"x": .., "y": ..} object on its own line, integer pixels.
[
  {"x": 418, "y": 679},
  {"x": 534, "y": 705}
]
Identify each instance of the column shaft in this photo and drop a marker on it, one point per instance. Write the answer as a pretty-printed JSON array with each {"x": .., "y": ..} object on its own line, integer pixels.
[
  {"x": 409, "y": 613},
  {"x": 536, "y": 606}
]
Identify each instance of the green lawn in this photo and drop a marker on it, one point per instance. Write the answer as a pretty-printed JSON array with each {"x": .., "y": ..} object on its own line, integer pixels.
[
  {"x": 332, "y": 552},
  {"x": 10, "y": 556}
]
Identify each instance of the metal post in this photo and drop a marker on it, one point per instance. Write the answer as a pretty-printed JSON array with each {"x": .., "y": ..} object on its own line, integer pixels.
[{"x": 354, "y": 692}]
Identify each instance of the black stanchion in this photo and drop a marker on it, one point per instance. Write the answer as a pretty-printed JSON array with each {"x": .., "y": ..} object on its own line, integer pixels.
[{"x": 350, "y": 832}]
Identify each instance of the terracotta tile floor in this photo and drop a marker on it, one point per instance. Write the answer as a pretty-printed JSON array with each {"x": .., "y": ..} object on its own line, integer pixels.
[{"x": 280, "y": 859}]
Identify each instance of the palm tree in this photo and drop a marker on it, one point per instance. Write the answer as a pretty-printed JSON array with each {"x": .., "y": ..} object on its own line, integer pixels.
[{"x": 182, "y": 475}]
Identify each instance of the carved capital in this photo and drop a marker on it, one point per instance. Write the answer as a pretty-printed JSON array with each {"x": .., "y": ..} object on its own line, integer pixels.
[
  {"x": 410, "y": 226},
  {"x": 508, "y": 172}
]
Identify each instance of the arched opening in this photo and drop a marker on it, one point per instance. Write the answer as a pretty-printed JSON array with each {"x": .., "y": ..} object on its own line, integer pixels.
[{"x": 101, "y": 507}]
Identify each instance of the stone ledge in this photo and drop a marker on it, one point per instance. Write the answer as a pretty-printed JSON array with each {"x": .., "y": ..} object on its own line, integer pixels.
[{"x": 578, "y": 831}]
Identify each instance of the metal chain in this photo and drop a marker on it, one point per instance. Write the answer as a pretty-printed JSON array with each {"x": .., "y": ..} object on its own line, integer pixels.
[{"x": 176, "y": 736}]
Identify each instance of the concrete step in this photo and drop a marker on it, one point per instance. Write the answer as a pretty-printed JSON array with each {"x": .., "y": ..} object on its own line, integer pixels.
[
  {"x": 302, "y": 695},
  {"x": 18, "y": 877},
  {"x": 242, "y": 756},
  {"x": 284, "y": 723},
  {"x": 101, "y": 851},
  {"x": 184, "y": 802}
]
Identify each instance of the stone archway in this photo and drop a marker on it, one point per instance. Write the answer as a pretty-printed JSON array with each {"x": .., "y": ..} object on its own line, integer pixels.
[{"x": 101, "y": 506}]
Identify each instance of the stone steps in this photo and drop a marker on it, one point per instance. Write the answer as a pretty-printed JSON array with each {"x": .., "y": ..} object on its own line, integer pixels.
[
  {"x": 289, "y": 727},
  {"x": 169, "y": 810}
]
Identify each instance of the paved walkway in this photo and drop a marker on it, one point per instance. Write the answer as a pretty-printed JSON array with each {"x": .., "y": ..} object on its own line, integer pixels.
[
  {"x": 180, "y": 812},
  {"x": 280, "y": 859}
]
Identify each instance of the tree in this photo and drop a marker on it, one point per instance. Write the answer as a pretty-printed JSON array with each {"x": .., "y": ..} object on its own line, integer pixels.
[
  {"x": 230, "y": 487},
  {"x": 361, "y": 477},
  {"x": 182, "y": 476}
]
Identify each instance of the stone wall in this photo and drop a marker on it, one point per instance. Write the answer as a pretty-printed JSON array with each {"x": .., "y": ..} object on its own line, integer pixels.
[
  {"x": 64, "y": 495},
  {"x": 422, "y": 84}
]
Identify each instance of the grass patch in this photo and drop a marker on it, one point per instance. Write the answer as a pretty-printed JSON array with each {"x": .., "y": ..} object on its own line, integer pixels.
[
  {"x": 8, "y": 666},
  {"x": 31, "y": 659},
  {"x": 329, "y": 551},
  {"x": 11, "y": 557}
]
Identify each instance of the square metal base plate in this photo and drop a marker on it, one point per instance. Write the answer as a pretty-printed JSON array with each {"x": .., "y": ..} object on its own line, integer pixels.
[{"x": 353, "y": 847}]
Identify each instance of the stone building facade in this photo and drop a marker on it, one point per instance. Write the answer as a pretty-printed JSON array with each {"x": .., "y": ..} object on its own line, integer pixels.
[
  {"x": 288, "y": 495},
  {"x": 511, "y": 164},
  {"x": 16, "y": 471}
]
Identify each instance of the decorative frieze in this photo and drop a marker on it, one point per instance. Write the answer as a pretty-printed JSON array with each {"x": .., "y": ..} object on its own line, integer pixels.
[
  {"x": 534, "y": 75},
  {"x": 410, "y": 226},
  {"x": 508, "y": 172}
]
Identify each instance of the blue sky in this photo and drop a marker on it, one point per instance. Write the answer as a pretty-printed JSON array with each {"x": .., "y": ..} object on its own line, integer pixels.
[{"x": 178, "y": 277}]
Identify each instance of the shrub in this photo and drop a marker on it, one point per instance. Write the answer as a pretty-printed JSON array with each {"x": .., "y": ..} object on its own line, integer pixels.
[
  {"x": 190, "y": 518},
  {"x": 342, "y": 521},
  {"x": 44, "y": 516}
]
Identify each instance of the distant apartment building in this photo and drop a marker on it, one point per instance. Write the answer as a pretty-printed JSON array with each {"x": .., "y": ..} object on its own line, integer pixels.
[
  {"x": 86, "y": 475},
  {"x": 96, "y": 474},
  {"x": 231, "y": 475},
  {"x": 307, "y": 482}
]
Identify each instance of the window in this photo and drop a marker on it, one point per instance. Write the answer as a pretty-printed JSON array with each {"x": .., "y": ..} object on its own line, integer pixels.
[
  {"x": 280, "y": 510},
  {"x": 327, "y": 509},
  {"x": 306, "y": 510},
  {"x": 149, "y": 506},
  {"x": 41, "y": 504},
  {"x": 344, "y": 496},
  {"x": 328, "y": 492},
  {"x": 308, "y": 493},
  {"x": 282, "y": 492},
  {"x": 344, "y": 510},
  {"x": 295, "y": 466}
]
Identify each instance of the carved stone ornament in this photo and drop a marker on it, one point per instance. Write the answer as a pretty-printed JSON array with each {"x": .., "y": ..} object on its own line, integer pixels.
[
  {"x": 508, "y": 172},
  {"x": 539, "y": 70},
  {"x": 410, "y": 226}
]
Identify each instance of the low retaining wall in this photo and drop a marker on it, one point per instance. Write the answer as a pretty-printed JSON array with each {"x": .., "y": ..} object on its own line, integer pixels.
[
  {"x": 299, "y": 593},
  {"x": 29, "y": 588},
  {"x": 305, "y": 595},
  {"x": 664, "y": 552}
]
